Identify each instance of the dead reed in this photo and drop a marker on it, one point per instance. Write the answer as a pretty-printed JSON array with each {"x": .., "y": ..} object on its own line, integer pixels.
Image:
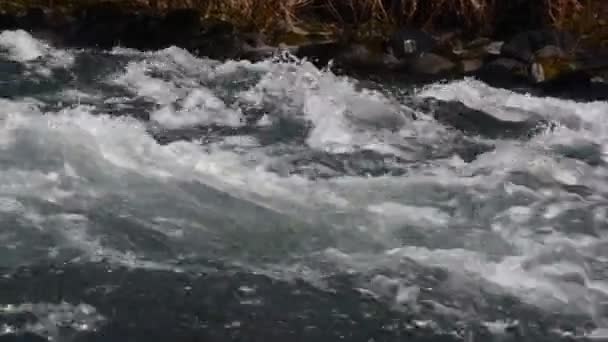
[{"x": 273, "y": 14}]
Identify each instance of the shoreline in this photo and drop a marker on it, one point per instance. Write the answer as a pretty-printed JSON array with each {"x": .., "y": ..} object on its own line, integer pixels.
[{"x": 543, "y": 59}]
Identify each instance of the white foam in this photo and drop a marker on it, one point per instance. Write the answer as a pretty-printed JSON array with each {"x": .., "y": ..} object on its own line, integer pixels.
[
  {"x": 424, "y": 217},
  {"x": 484, "y": 225},
  {"x": 136, "y": 78},
  {"x": 507, "y": 104},
  {"x": 22, "y": 47},
  {"x": 199, "y": 107},
  {"x": 51, "y": 320},
  {"x": 332, "y": 104}
]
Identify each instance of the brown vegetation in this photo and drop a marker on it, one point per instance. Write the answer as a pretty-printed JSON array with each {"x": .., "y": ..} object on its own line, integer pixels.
[{"x": 479, "y": 15}]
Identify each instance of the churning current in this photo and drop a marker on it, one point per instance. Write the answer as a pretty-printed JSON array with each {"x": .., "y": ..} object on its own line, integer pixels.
[{"x": 161, "y": 165}]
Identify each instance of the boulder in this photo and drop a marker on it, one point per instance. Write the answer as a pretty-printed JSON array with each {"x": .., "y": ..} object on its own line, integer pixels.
[
  {"x": 102, "y": 25},
  {"x": 506, "y": 66},
  {"x": 360, "y": 55},
  {"x": 406, "y": 43},
  {"x": 218, "y": 40},
  {"x": 521, "y": 125},
  {"x": 179, "y": 26},
  {"x": 319, "y": 53},
  {"x": 478, "y": 49},
  {"x": 471, "y": 65},
  {"x": 143, "y": 31},
  {"x": 8, "y": 21},
  {"x": 34, "y": 19},
  {"x": 550, "y": 68},
  {"x": 515, "y": 16},
  {"x": 431, "y": 64},
  {"x": 525, "y": 45}
]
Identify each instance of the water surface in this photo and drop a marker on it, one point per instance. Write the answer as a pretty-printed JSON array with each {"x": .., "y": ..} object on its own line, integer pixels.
[{"x": 157, "y": 195}]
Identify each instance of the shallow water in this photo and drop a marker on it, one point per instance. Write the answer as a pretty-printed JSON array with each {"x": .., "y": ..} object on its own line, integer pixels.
[{"x": 274, "y": 200}]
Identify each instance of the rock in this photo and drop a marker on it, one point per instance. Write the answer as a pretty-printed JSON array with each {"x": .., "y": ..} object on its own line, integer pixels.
[
  {"x": 431, "y": 64},
  {"x": 473, "y": 121},
  {"x": 409, "y": 43},
  {"x": 550, "y": 51},
  {"x": 471, "y": 65},
  {"x": 101, "y": 25},
  {"x": 360, "y": 55},
  {"x": 179, "y": 26},
  {"x": 479, "y": 49},
  {"x": 514, "y": 16},
  {"x": 218, "y": 40},
  {"x": 319, "y": 53},
  {"x": 291, "y": 39},
  {"x": 548, "y": 69},
  {"x": 143, "y": 31},
  {"x": 525, "y": 45},
  {"x": 8, "y": 21},
  {"x": 34, "y": 19},
  {"x": 186, "y": 21},
  {"x": 506, "y": 65},
  {"x": 503, "y": 72},
  {"x": 551, "y": 63}
]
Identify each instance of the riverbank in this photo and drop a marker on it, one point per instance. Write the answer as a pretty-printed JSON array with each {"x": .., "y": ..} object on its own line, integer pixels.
[{"x": 546, "y": 49}]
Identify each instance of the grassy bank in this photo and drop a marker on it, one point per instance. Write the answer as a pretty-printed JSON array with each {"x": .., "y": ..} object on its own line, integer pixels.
[{"x": 376, "y": 17}]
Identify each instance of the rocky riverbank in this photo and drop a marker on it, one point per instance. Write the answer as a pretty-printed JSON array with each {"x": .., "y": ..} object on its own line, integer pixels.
[{"x": 545, "y": 59}]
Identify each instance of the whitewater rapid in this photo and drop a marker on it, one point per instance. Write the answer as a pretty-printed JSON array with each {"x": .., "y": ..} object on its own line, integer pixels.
[{"x": 158, "y": 160}]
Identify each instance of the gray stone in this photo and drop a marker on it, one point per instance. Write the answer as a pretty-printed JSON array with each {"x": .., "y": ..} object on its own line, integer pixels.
[
  {"x": 431, "y": 64},
  {"x": 407, "y": 43},
  {"x": 470, "y": 65}
]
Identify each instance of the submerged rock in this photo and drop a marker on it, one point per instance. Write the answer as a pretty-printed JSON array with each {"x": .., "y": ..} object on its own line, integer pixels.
[{"x": 473, "y": 121}]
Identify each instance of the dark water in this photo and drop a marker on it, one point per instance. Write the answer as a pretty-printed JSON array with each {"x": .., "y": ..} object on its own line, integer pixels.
[{"x": 159, "y": 196}]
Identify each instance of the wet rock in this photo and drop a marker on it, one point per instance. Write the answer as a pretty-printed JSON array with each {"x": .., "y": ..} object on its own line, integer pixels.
[
  {"x": 183, "y": 21},
  {"x": 525, "y": 45},
  {"x": 179, "y": 26},
  {"x": 471, "y": 65},
  {"x": 107, "y": 25},
  {"x": 218, "y": 40},
  {"x": 477, "y": 122},
  {"x": 34, "y": 19},
  {"x": 431, "y": 64},
  {"x": 507, "y": 69},
  {"x": 255, "y": 48},
  {"x": 8, "y": 21},
  {"x": 366, "y": 56},
  {"x": 142, "y": 32},
  {"x": 550, "y": 51},
  {"x": 408, "y": 43},
  {"x": 101, "y": 25},
  {"x": 577, "y": 85},
  {"x": 478, "y": 49},
  {"x": 320, "y": 53},
  {"x": 549, "y": 69},
  {"x": 519, "y": 15}
]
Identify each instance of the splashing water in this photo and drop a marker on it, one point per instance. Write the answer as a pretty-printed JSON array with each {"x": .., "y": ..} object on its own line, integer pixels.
[{"x": 149, "y": 159}]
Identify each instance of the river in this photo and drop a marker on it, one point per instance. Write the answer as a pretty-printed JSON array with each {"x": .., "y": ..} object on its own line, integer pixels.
[{"x": 159, "y": 196}]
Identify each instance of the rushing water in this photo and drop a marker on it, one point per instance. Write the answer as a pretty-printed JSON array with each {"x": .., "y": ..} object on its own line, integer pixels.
[{"x": 160, "y": 195}]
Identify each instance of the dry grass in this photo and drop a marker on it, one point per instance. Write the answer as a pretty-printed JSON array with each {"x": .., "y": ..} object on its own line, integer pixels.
[{"x": 284, "y": 14}]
